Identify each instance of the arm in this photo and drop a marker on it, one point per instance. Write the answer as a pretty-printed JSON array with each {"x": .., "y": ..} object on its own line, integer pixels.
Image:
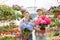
[
  {"x": 20, "y": 29},
  {"x": 47, "y": 30},
  {"x": 37, "y": 28},
  {"x": 20, "y": 24}
]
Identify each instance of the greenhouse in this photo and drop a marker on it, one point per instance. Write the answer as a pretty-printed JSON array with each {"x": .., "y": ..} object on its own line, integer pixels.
[{"x": 29, "y": 19}]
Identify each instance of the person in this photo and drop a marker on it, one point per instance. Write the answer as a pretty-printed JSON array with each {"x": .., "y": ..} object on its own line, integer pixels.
[
  {"x": 25, "y": 19},
  {"x": 38, "y": 34}
]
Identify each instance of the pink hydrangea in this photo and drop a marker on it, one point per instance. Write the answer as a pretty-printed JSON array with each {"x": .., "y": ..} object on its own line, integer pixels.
[
  {"x": 48, "y": 20},
  {"x": 38, "y": 21},
  {"x": 43, "y": 20},
  {"x": 43, "y": 17}
]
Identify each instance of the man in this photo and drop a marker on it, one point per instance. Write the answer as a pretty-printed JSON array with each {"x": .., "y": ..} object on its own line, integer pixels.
[{"x": 38, "y": 35}]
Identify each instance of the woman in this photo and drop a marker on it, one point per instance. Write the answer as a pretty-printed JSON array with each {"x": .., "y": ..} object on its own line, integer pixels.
[
  {"x": 38, "y": 34},
  {"x": 25, "y": 19}
]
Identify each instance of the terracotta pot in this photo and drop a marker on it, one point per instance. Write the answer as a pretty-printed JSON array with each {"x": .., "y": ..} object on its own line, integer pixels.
[
  {"x": 26, "y": 36},
  {"x": 42, "y": 30}
]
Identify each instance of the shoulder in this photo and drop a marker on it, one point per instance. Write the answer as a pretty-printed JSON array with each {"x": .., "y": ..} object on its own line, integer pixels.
[
  {"x": 21, "y": 21},
  {"x": 35, "y": 18}
]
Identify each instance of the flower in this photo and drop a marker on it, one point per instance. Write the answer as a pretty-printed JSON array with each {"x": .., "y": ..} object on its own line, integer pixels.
[
  {"x": 27, "y": 25},
  {"x": 38, "y": 21},
  {"x": 26, "y": 28},
  {"x": 43, "y": 20},
  {"x": 43, "y": 17},
  {"x": 7, "y": 33},
  {"x": 48, "y": 20},
  {"x": 15, "y": 5},
  {"x": 30, "y": 26},
  {"x": 23, "y": 26},
  {"x": 16, "y": 30}
]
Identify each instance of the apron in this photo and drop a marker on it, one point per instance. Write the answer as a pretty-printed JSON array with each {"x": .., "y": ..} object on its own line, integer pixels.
[
  {"x": 38, "y": 37},
  {"x": 30, "y": 36}
]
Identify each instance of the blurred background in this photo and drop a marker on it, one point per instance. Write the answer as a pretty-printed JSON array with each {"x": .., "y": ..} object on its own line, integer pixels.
[{"x": 10, "y": 16}]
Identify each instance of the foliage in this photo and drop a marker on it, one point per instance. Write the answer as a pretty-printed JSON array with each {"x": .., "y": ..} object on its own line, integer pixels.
[
  {"x": 8, "y": 13},
  {"x": 1, "y": 29},
  {"x": 43, "y": 10},
  {"x": 56, "y": 34},
  {"x": 8, "y": 28},
  {"x": 26, "y": 31},
  {"x": 19, "y": 15},
  {"x": 13, "y": 25},
  {"x": 55, "y": 9},
  {"x": 57, "y": 22},
  {"x": 53, "y": 24},
  {"x": 16, "y": 7},
  {"x": 5, "y": 29},
  {"x": 53, "y": 19}
]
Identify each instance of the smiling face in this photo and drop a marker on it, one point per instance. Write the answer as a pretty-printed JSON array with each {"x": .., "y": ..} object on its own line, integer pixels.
[
  {"x": 26, "y": 15},
  {"x": 39, "y": 12}
]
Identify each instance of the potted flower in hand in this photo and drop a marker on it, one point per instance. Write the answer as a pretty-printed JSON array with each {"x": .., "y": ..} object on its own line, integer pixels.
[
  {"x": 43, "y": 21},
  {"x": 26, "y": 29},
  {"x": 26, "y": 33}
]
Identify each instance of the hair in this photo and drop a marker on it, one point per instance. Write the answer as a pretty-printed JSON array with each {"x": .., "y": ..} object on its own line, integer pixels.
[
  {"x": 27, "y": 12},
  {"x": 22, "y": 11},
  {"x": 39, "y": 10}
]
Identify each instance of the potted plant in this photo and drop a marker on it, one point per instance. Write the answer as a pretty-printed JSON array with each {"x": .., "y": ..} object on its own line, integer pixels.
[
  {"x": 26, "y": 29},
  {"x": 16, "y": 7},
  {"x": 7, "y": 13},
  {"x": 55, "y": 11},
  {"x": 42, "y": 22},
  {"x": 58, "y": 23},
  {"x": 26, "y": 33}
]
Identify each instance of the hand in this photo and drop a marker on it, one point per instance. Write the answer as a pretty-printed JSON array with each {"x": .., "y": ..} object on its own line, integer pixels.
[{"x": 36, "y": 28}]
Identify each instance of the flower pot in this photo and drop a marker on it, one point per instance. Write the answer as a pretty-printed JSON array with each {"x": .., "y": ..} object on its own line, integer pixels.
[
  {"x": 42, "y": 30},
  {"x": 26, "y": 36}
]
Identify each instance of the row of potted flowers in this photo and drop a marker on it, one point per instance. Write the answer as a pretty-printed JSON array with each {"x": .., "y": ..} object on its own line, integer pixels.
[{"x": 15, "y": 33}]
